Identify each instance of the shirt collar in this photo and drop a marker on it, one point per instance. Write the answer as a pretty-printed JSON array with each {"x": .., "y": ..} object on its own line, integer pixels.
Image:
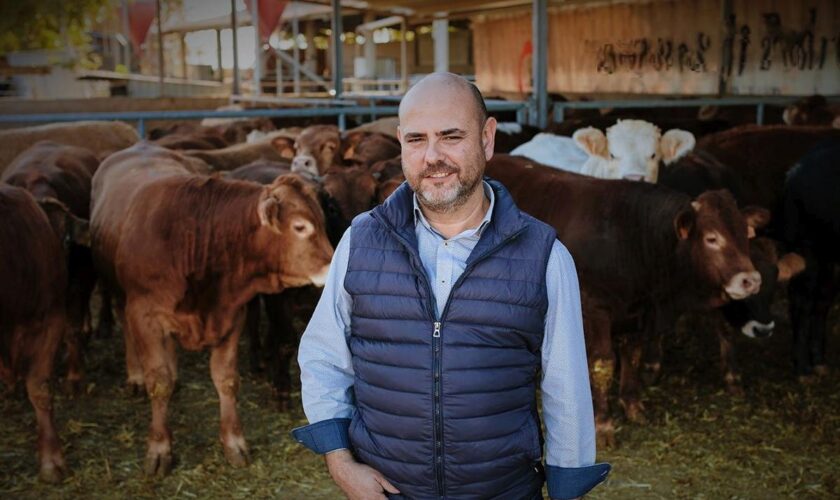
[{"x": 488, "y": 192}]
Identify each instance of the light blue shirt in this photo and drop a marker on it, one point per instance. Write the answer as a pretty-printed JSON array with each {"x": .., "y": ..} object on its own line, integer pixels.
[{"x": 327, "y": 369}]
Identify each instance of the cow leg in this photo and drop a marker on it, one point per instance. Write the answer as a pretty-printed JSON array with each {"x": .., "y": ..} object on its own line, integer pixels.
[
  {"x": 823, "y": 300},
  {"x": 282, "y": 342},
  {"x": 134, "y": 370},
  {"x": 801, "y": 304},
  {"x": 629, "y": 387},
  {"x": 601, "y": 370},
  {"x": 226, "y": 379},
  {"x": 728, "y": 362},
  {"x": 154, "y": 347},
  {"x": 51, "y": 460},
  {"x": 252, "y": 326},
  {"x": 105, "y": 328},
  {"x": 81, "y": 281}
]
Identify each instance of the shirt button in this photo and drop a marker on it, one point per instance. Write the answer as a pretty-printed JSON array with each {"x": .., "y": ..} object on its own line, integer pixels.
[
  {"x": 443, "y": 281},
  {"x": 438, "y": 444}
]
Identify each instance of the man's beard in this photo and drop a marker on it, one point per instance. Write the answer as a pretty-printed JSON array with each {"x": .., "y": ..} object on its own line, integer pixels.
[{"x": 450, "y": 198}]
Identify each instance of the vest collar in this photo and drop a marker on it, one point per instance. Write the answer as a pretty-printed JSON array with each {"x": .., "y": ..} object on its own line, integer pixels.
[{"x": 505, "y": 220}]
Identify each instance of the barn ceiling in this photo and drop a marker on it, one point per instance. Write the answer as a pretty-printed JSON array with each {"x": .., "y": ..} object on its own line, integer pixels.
[{"x": 453, "y": 8}]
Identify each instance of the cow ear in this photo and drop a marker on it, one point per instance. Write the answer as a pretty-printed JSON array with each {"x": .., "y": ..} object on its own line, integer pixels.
[
  {"x": 684, "y": 222},
  {"x": 67, "y": 226},
  {"x": 269, "y": 209},
  {"x": 285, "y": 146},
  {"x": 790, "y": 265},
  {"x": 756, "y": 217},
  {"x": 591, "y": 140},
  {"x": 675, "y": 144}
]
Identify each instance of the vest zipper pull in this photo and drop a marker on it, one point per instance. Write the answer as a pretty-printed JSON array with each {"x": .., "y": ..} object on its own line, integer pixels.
[{"x": 436, "y": 333}]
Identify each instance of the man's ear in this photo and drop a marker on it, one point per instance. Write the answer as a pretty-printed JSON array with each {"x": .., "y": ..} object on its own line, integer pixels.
[{"x": 488, "y": 137}]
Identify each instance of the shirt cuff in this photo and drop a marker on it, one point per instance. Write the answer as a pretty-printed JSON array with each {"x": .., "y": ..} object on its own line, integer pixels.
[
  {"x": 573, "y": 482},
  {"x": 324, "y": 436}
]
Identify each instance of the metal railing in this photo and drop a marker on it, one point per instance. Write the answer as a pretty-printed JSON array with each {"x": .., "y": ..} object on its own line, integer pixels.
[
  {"x": 141, "y": 117},
  {"x": 758, "y": 102}
]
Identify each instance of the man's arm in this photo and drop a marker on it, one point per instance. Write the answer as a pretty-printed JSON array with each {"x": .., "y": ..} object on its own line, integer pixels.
[
  {"x": 326, "y": 375},
  {"x": 567, "y": 399},
  {"x": 326, "y": 369}
]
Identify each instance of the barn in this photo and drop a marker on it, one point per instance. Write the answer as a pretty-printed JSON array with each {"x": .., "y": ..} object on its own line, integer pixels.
[{"x": 177, "y": 179}]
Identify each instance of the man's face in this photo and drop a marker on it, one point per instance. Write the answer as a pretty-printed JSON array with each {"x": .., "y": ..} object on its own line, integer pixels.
[{"x": 444, "y": 148}]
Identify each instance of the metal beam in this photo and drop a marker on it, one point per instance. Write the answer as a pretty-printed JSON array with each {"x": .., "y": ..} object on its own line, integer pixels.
[
  {"x": 233, "y": 27},
  {"x": 295, "y": 55},
  {"x": 403, "y": 57},
  {"x": 338, "y": 52},
  {"x": 539, "y": 62},
  {"x": 255, "y": 16},
  {"x": 440, "y": 39},
  {"x": 303, "y": 69},
  {"x": 160, "y": 48}
]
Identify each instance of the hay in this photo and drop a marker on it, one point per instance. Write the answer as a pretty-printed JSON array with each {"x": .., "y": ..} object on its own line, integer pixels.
[{"x": 782, "y": 440}]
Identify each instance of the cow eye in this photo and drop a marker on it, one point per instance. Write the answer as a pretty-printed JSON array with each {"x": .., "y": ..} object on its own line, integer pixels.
[
  {"x": 652, "y": 155},
  {"x": 299, "y": 227},
  {"x": 711, "y": 239}
]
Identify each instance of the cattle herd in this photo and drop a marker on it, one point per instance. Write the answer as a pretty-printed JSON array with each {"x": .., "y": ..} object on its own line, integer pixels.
[{"x": 190, "y": 233}]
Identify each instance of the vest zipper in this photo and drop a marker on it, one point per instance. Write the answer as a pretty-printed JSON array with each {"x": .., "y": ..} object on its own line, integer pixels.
[{"x": 437, "y": 343}]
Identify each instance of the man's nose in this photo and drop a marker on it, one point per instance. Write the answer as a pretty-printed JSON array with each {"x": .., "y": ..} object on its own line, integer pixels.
[{"x": 433, "y": 154}]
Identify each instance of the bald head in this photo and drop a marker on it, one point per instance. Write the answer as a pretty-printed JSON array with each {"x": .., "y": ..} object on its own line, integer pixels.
[{"x": 435, "y": 85}]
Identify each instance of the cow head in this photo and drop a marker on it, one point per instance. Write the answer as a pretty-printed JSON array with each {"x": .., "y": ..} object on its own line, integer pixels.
[
  {"x": 714, "y": 234},
  {"x": 345, "y": 193},
  {"x": 367, "y": 148},
  {"x": 295, "y": 235},
  {"x": 752, "y": 315},
  {"x": 316, "y": 149},
  {"x": 812, "y": 110},
  {"x": 631, "y": 149}
]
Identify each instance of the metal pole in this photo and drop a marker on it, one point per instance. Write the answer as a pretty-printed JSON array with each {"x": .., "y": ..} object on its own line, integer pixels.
[
  {"x": 759, "y": 113},
  {"x": 338, "y": 53},
  {"x": 296, "y": 55},
  {"x": 403, "y": 58},
  {"x": 184, "y": 56},
  {"x": 278, "y": 71},
  {"x": 160, "y": 49},
  {"x": 127, "y": 33},
  {"x": 255, "y": 17},
  {"x": 540, "y": 62},
  {"x": 440, "y": 40},
  {"x": 219, "y": 54},
  {"x": 234, "y": 26}
]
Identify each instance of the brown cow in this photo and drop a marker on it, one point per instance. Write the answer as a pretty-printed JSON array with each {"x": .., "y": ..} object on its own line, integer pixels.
[
  {"x": 186, "y": 253},
  {"x": 235, "y": 156},
  {"x": 52, "y": 170},
  {"x": 32, "y": 312},
  {"x": 99, "y": 137},
  {"x": 762, "y": 155},
  {"x": 638, "y": 248},
  {"x": 812, "y": 110},
  {"x": 343, "y": 193},
  {"x": 321, "y": 147}
]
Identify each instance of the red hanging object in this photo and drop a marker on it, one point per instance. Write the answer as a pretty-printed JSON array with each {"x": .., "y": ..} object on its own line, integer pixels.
[
  {"x": 270, "y": 12},
  {"x": 141, "y": 13}
]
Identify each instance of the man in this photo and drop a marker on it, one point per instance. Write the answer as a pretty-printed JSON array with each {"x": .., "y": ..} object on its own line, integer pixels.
[{"x": 443, "y": 308}]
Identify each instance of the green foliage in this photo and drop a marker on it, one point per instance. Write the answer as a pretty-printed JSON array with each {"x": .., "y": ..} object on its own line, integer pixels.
[{"x": 48, "y": 24}]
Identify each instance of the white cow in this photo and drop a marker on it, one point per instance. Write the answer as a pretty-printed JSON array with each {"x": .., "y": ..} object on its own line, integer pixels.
[
  {"x": 556, "y": 151},
  {"x": 631, "y": 149}
]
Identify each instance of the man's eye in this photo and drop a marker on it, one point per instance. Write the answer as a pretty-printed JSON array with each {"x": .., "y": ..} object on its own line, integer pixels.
[{"x": 452, "y": 138}]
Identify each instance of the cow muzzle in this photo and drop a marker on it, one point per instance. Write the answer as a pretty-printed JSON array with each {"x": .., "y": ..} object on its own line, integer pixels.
[
  {"x": 755, "y": 330},
  {"x": 319, "y": 279},
  {"x": 743, "y": 285},
  {"x": 305, "y": 164}
]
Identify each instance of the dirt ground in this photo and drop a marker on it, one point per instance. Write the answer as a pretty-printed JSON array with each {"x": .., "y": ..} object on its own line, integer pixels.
[{"x": 781, "y": 441}]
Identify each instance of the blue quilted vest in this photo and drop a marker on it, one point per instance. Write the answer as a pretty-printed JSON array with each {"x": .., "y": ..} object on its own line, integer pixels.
[{"x": 446, "y": 406}]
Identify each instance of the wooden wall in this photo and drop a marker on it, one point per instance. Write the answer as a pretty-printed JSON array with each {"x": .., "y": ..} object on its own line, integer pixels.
[{"x": 670, "y": 47}]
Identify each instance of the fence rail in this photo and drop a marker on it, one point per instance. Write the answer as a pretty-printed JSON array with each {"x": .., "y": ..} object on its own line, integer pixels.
[{"x": 341, "y": 109}]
